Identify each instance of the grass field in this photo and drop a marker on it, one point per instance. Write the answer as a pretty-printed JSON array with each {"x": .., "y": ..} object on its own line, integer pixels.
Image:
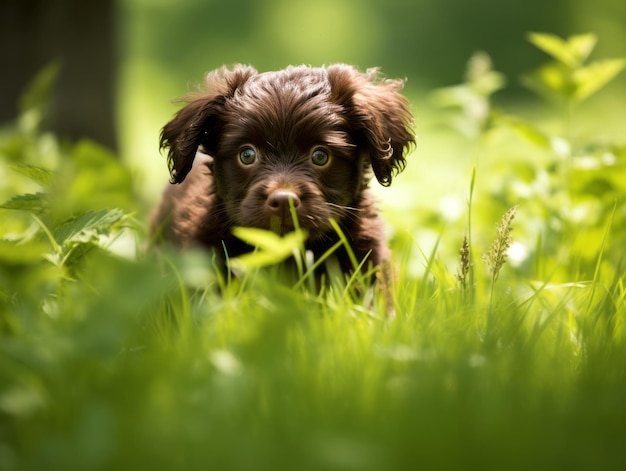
[{"x": 507, "y": 351}]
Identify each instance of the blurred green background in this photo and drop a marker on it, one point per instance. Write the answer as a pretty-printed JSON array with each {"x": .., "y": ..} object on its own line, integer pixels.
[
  {"x": 166, "y": 45},
  {"x": 110, "y": 359},
  {"x": 134, "y": 56},
  {"x": 120, "y": 64}
]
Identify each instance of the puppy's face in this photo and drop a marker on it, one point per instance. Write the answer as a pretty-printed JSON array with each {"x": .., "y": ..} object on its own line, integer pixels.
[
  {"x": 298, "y": 142},
  {"x": 285, "y": 149}
]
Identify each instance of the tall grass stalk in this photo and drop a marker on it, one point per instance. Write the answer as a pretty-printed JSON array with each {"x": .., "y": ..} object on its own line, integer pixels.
[
  {"x": 497, "y": 255},
  {"x": 466, "y": 275}
]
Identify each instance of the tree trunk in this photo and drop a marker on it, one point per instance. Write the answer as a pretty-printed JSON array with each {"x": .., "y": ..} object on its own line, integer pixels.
[{"x": 80, "y": 35}]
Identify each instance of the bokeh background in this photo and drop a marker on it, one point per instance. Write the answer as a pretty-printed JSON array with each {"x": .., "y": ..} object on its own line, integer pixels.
[
  {"x": 114, "y": 358},
  {"x": 122, "y": 62},
  {"x": 166, "y": 45}
]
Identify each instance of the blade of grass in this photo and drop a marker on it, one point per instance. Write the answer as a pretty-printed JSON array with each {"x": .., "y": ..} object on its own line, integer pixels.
[
  {"x": 596, "y": 274},
  {"x": 346, "y": 244},
  {"x": 472, "y": 275}
]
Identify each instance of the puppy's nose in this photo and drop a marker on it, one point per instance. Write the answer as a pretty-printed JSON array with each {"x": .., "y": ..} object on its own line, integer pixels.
[{"x": 278, "y": 201}]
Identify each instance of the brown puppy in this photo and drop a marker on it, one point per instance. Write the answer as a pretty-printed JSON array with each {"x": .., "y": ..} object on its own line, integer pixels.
[{"x": 304, "y": 137}]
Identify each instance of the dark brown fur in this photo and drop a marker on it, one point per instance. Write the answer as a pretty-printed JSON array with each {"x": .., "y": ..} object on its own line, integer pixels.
[{"x": 285, "y": 119}]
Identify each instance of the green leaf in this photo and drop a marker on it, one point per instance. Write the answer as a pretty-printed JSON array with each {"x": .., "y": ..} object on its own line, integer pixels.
[
  {"x": 39, "y": 90},
  {"x": 481, "y": 77},
  {"x": 87, "y": 226},
  {"x": 582, "y": 45},
  {"x": 258, "y": 259},
  {"x": 271, "y": 248},
  {"x": 260, "y": 238},
  {"x": 39, "y": 175},
  {"x": 571, "y": 52},
  {"x": 592, "y": 78},
  {"x": 36, "y": 202},
  {"x": 550, "y": 81},
  {"x": 553, "y": 46}
]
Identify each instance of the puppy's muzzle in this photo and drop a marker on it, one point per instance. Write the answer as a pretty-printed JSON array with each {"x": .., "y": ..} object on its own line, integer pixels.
[{"x": 278, "y": 202}]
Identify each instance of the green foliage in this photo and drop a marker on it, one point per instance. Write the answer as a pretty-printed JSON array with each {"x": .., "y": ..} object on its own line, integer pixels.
[
  {"x": 568, "y": 79},
  {"x": 472, "y": 97},
  {"x": 271, "y": 249},
  {"x": 565, "y": 185},
  {"x": 112, "y": 357}
]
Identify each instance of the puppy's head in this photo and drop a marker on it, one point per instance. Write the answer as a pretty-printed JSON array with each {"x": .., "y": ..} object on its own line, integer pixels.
[{"x": 301, "y": 139}]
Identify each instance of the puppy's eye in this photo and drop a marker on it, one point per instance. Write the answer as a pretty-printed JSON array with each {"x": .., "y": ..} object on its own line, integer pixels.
[
  {"x": 247, "y": 155},
  {"x": 320, "y": 157}
]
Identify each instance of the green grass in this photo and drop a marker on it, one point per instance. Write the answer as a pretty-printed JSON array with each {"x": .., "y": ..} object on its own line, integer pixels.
[
  {"x": 132, "y": 369},
  {"x": 113, "y": 356}
]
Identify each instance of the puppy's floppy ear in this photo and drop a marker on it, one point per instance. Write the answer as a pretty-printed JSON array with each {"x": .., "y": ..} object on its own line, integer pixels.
[
  {"x": 199, "y": 122},
  {"x": 378, "y": 114}
]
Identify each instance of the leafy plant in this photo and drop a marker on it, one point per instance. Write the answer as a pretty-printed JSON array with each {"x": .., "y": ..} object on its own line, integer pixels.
[
  {"x": 121, "y": 359},
  {"x": 568, "y": 79},
  {"x": 564, "y": 183},
  {"x": 471, "y": 100}
]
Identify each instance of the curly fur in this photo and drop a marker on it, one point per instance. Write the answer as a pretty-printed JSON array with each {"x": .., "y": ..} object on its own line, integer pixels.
[{"x": 358, "y": 120}]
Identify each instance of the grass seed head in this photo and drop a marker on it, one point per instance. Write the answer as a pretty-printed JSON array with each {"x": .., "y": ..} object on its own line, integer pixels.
[
  {"x": 464, "y": 264},
  {"x": 497, "y": 253}
]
